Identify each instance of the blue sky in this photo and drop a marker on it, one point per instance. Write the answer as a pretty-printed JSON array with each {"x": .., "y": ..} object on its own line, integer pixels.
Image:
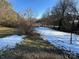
[{"x": 38, "y": 6}]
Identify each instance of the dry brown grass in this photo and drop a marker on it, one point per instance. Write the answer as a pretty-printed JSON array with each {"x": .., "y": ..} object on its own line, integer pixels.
[{"x": 7, "y": 30}]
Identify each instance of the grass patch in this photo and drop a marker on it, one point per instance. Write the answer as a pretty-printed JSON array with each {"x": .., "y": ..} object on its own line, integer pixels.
[{"x": 6, "y": 31}]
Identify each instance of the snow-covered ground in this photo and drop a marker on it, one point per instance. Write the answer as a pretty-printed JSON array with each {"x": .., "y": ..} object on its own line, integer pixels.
[
  {"x": 60, "y": 39},
  {"x": 10, "y": 41}
]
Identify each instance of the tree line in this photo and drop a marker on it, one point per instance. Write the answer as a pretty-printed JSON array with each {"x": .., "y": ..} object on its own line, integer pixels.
[{"x": 64, "y": 14}]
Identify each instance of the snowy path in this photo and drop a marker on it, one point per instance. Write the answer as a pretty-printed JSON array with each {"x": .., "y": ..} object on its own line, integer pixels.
[
  {"x": 10, "y": 41},
  {"x": 59, "y": 39}
]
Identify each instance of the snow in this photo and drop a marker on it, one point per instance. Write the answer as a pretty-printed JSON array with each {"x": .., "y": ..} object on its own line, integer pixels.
[
  {"x": 10, "y": 41},
  {"x": 60, "y": 39}
]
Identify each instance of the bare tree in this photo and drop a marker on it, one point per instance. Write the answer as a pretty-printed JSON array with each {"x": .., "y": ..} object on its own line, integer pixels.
[
  {"x": 64, "y": 12},
  {"x": 27, "y": 23}
]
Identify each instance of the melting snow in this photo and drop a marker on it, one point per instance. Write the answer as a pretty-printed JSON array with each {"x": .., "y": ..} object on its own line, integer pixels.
[
  {"x": 10, "y": 41},
  {"x": 60, "y": 39}
]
